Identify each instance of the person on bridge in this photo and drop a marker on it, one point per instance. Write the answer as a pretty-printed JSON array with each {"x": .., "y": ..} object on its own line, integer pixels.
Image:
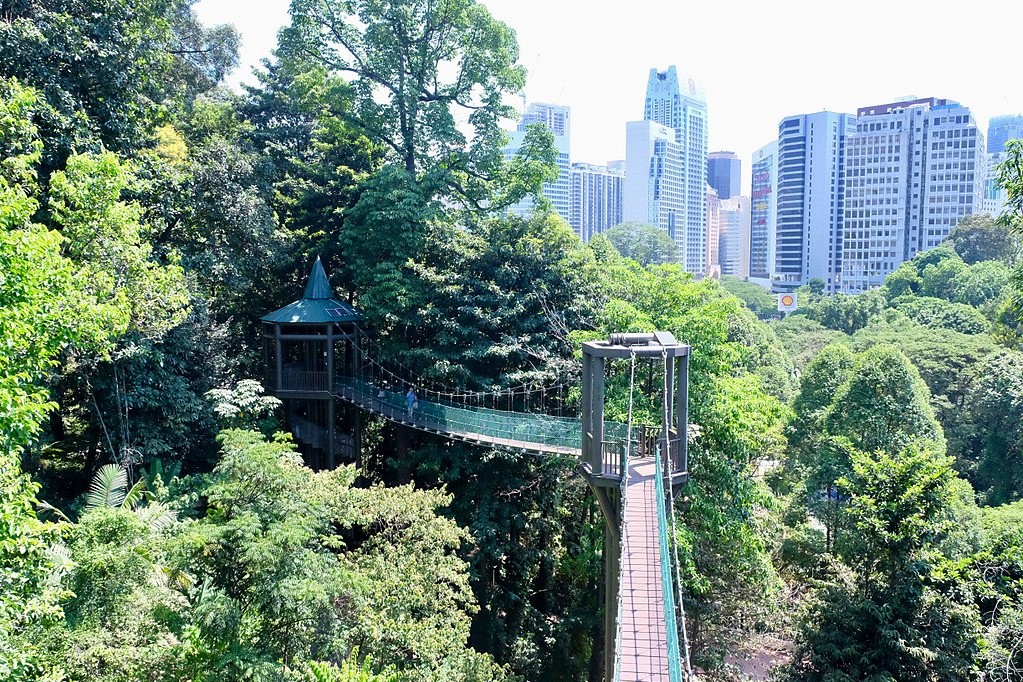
[{"x": 410, "y": 400}]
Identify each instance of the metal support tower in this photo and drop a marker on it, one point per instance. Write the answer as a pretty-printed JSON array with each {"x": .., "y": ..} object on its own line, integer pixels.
[{"x": 602, "y": 460}]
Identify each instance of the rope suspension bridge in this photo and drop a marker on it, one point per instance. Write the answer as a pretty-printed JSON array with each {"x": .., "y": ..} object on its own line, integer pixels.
[{"x": 634, "y": 471}]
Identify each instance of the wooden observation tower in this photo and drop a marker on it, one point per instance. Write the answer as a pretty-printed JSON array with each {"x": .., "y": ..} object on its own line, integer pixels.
[{"x": 306, "y": 344}]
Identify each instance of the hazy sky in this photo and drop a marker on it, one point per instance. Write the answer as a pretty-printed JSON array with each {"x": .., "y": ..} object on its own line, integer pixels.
[{"x": 756, "y": 61}]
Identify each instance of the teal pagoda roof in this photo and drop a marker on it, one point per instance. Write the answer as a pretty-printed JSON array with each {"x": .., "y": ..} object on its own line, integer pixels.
[{"x": 317, "y": 305}]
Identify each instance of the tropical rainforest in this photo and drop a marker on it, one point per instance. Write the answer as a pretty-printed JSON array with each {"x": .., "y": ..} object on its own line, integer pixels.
[{"x": 856, "y": 468}]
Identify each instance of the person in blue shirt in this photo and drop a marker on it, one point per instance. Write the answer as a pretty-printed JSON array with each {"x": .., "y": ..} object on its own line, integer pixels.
[{"x": 410, "y": 400}]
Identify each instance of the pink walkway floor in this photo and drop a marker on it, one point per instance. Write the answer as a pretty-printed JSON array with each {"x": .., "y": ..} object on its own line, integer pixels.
[{"x": 644, "y": 641}]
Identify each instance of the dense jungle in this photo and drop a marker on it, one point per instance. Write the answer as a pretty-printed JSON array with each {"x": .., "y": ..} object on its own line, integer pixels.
[{"x": 855, "y": 499}]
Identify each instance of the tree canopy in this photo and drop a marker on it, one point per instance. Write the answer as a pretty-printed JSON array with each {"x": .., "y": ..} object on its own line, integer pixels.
[{"x": 642, "y": 243}]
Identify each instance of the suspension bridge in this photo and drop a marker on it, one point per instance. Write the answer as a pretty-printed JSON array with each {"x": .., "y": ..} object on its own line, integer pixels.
[{"x": 315, "y": 356}]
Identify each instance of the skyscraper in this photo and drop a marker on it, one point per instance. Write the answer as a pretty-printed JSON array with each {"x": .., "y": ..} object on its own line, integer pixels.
[
  {"x": 713, "y": 268},
  {"x": 811, "y": 181},
  {"x": 653, "y": 180},
  {"x": 1001, "y": 129},
  {"x": 557, "y": 119},
  {"x": 913, "y": 169},
  {"x": 763, "y": 216},
  {"x": 685, "y": 112},
  {"x": 596, "y": 198},
  {"x": 724, "y": 174},
  {"x": 733, "y": 240}
]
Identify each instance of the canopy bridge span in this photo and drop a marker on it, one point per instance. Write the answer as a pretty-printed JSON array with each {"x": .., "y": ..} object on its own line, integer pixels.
[{"x": 633, "y": 471}]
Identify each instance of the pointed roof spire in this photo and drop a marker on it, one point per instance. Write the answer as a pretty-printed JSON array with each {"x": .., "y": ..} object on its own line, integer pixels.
[
  {"x": 317, "y": 305},
  {"x": 318, "y": 286}
]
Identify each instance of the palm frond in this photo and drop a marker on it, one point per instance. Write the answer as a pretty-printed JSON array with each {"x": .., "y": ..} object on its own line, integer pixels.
[
  {"x": 156, "y": 516},
  {"x": 46, "y": 506},
  {"x": 108, "y": 488},
  {"x": 135, "y": 495}
]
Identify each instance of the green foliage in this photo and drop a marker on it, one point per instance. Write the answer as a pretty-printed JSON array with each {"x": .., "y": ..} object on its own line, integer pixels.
[
  {"x": 414, "y": 69},
  {"x": 244, "y": 406},
  {"x": 980, "y": 237},
  {"x": 1010, "y": 177},
  {"x": 47, "y": 306},
  {"x": 105, "y": 239},
  {"x": 483, "y": 309},
  {"x": 884, "y": 405},
  {"x": 764, "y": 355},
  {"x": 124, "y": 616},
  {"x": 991, "y": 428},
  {"x": 846, "y": 313},
  {"x": 531, "y": 167},
  {"x": 106, "y": 68},
  {"x": 936, "y": 277},
  {"x": 803, "y": 338},
  {"x": 349, "y": 671},
  {"x": 980, "y": 283},
  {"x": 885, "y": 619},
  {"x": 905, "y": 280},
  {"x": 757, "y": 299},
  {"x": 30, "y": 572},
  {"x": 643, "y": 243},
  {"x": 947, "y": 361},
  {"x": 289, "y": 565},
  {"x": 818, "y": 388},
  {"x": 940, "y": 314},
  {"x": 1004, "y": 518},
  {"x": 108, "y": 489},
  {"x": 1004, "y": 657}
]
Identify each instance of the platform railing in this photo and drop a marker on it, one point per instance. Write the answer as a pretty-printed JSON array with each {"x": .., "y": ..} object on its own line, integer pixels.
[{"x": 301, "y": 380}]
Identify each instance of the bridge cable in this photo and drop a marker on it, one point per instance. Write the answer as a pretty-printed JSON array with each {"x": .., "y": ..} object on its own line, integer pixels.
[
  {"x": 674, "y": 536},
  {"x": 623, "y": 536}
]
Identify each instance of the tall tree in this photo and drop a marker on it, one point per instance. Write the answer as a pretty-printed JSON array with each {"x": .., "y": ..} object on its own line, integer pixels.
[
  {"x": 991, "y": 428},
  {"x": 981, "y": 237},
  {"x": 643, "y": 243},
  {"x": 1011, "y": 179},
  {"x": 44, "y": 309},
  {"x": 418, "y": 70},
  {"x": 884, "y": 405},
  {"x": 886, "y": 619},
  {"x": 104, "y": 66}
]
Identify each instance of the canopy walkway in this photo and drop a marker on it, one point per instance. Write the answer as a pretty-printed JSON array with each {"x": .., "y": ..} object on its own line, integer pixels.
[
  {"x": 646, "y": 636},
  {"x": 517, "y": 431},
  {"x": 633, "y": 471},
  {"x": 647, "y": 645}
]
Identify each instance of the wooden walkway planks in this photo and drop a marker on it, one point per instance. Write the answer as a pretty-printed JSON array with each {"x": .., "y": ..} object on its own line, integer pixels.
[{"x": 644, "y": 647}]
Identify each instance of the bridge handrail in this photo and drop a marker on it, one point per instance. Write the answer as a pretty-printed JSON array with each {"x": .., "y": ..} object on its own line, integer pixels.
[
  {"x": 667, "y": 575},
  {"x": 623, "y": 552},
  {"x": 527, "y": 427}
]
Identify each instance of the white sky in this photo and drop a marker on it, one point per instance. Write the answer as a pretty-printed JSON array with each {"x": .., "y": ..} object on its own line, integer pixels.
[{"x": 756, "y": 61}]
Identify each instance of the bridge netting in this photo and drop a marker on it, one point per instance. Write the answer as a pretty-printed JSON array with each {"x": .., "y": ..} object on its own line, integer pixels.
[
  {"x": 529, "y": 431},
  {"x": 473, "y": 416}
]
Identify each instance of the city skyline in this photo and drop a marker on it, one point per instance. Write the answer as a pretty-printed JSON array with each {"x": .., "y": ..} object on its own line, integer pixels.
[{"x": 730, "y": 60}]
